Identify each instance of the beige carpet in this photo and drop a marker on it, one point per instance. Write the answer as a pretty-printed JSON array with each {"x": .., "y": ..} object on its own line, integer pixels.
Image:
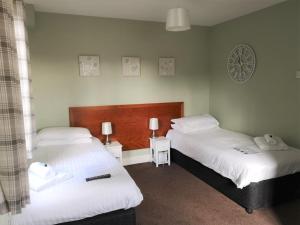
[{"x": 173, "y": 196}]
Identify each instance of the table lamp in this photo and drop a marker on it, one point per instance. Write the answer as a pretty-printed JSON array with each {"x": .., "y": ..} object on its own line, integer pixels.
[
  {"x": 153, "y": 125},
  {"x": 106, "y": 130}
]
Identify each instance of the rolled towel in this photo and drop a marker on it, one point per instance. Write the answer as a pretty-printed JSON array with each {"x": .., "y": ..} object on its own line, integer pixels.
[
  {"x": 270, "y": 139},
  {"x": 42, "y": 170},
  {"x": 263, "y": 145}
]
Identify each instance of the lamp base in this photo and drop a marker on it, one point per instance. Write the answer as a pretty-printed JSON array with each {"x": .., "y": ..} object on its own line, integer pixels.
[
  {"x": 107, "y": 142},
  {"x": 153, "y": 134}
]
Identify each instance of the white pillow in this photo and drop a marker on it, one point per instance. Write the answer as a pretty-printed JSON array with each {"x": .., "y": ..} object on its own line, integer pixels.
[
  {"x": 53, "y": 133},
  {"x": 187, "y": 129},
  {"x": 194, "y": 123},
  {"x": 49, "y": 142}
]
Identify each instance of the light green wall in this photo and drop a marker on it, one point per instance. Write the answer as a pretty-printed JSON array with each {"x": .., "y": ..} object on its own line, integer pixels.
[
  {"x": 30, "y": 16},
  {"x": 269, "y": 102},
  {"x": 57, "y": 41}
]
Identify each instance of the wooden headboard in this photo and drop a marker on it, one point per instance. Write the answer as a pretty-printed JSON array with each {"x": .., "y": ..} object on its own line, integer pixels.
[{"x": 130, "y": 123}]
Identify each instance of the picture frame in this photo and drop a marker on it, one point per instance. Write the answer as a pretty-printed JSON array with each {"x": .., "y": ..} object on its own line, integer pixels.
[
  {"x": 166, "y": 66},
  {"x": 89, "y": 65},
  {"x": 131, "y": 66}
]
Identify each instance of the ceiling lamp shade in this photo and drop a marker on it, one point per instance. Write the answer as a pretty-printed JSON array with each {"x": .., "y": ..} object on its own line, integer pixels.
[{"x": 178, "y": 20}]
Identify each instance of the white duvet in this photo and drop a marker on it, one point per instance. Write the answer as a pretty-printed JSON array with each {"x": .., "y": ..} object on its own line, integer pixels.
[
  {"x": 75, "y": 198},
  {"x": 215, "y": 148}
]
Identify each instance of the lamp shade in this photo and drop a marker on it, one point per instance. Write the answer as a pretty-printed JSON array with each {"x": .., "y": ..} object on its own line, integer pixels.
[
  {"x": 178, "y": 20},
  {"x": 153, "y": 124},
  {"x": 106, "y": 128}
]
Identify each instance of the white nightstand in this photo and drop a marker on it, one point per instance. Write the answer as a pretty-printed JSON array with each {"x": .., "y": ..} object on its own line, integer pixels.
[
  {"x": 116, "y": 149},
  {"x": 160, "y": 150}
]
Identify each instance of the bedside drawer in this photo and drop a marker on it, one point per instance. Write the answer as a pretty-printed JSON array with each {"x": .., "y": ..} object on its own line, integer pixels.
[
  {"x": 160, "y": 150},
  {"x": 162, "y": 145}
]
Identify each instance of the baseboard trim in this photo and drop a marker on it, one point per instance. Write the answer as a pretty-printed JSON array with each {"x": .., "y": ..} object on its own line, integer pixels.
[{"x": 136, "y": 156}]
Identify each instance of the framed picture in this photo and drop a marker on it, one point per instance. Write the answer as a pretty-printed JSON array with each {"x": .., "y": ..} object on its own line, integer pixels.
[
  {"x": 89, "y": 65},
  {"x": 131, "y": 66},
  {"x": 166, "y": 66}
]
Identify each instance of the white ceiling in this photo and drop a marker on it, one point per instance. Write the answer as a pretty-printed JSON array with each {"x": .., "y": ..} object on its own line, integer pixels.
[{"x": 202, "y": 12}]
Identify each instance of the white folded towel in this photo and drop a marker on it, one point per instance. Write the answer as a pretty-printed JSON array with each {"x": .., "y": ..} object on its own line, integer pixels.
[
  {"x": 38, "y": 184},
  {"x": 42, "y": 170},
  {"x": 270, "y": 139},
  {"x": 265, "y": 146}
]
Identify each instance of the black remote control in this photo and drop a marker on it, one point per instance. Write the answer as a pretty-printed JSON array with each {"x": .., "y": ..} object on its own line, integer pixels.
[{"x": 98, "y": 177}]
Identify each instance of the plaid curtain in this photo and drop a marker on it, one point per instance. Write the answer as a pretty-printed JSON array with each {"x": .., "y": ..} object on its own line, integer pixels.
[
  {"x": 14, "y": 188},
  {"x": 24, "y": 73}
]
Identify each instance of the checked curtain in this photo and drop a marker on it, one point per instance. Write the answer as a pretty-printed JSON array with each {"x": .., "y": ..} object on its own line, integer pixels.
[{"x": 16, "y": 127}]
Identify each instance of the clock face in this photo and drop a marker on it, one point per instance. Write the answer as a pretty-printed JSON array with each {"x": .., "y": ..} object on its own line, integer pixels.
[{"x": 241, "y": 63}]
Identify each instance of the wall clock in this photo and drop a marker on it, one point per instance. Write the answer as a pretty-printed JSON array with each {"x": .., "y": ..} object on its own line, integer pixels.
[{"x": 241, "y": 63}]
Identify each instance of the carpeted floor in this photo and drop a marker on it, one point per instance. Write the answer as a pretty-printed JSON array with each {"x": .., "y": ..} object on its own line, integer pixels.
[{"x": 173, "y": 196}]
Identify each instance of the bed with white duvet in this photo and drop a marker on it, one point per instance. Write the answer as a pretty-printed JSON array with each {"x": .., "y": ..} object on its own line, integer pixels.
[
  {"x": 253, "y": 172},
  {"x": 201, "y": 139},
  {"x": 216, "y": 148},
  {"x": 76, "y": 199}
]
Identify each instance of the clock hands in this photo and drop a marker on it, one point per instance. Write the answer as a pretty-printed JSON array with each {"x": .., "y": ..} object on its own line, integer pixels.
[{"x": 240, "y": 61}]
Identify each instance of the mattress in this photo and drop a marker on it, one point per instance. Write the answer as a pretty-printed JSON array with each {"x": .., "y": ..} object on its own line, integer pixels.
[
  {"x": 75, "y": 198},
  {"x": 216, "y": 149}
]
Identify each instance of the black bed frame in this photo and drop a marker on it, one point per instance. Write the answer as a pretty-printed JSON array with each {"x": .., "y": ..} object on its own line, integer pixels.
[
  {"x": 119, "y": 217},
  {"x": 254, "y": 196}
]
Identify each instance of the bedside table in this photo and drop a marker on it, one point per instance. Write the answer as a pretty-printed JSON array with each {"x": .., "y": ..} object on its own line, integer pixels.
[
  {"x": 160, "y": 150},
  {"x": 116, "y": 149}
]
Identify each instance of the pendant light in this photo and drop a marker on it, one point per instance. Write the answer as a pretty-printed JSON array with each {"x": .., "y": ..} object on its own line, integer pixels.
[{"x": 178, "y": 20}]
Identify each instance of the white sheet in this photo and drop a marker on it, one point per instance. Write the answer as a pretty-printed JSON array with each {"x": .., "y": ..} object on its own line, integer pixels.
[
  {"x": 76, "y": 199},
  {"x": 214, "y": 148}
]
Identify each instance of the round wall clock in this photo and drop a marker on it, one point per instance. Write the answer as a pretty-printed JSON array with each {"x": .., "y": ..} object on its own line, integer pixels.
[{"x": 241, "y": 63}]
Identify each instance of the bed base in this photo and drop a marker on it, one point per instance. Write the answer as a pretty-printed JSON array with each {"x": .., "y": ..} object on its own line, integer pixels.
[
  {"x": 119, "y": 217},
  {"x": 256, "y": 195}
]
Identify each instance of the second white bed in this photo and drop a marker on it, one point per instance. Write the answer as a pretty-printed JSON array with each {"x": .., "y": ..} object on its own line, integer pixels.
[
  {"x": 75, "y": 198},
  {"x": 215, "y": 149}
]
